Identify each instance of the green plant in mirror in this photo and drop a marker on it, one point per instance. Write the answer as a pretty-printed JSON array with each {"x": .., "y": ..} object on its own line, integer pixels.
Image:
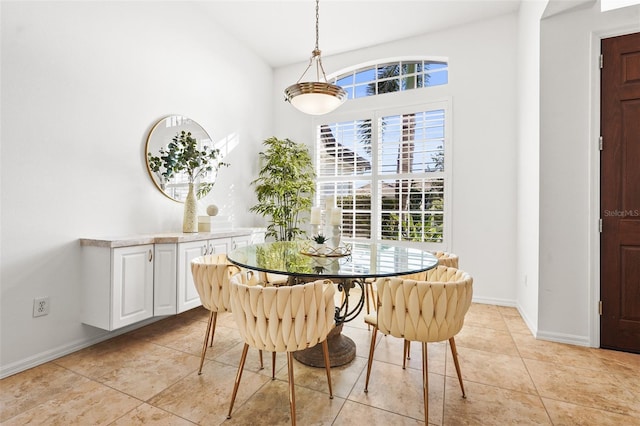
[
  {"x": 183, "y": 156},
  {"x": 284, "y": 187}
]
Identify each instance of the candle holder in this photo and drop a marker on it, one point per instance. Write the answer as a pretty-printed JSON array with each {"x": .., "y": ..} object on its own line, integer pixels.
[
  {"x": 315, "y": 229},
  {"x": 336, "y": 233}
]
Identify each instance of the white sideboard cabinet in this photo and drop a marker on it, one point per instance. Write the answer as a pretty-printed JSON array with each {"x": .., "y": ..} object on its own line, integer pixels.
[
  {"x": 126, "y": 280},
  {"x": 119, "y": 285}
]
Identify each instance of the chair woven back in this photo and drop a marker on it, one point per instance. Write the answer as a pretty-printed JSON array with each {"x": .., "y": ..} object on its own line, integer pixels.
[
  {"x": 427, "y": 311},
  {"x": 211, "y": 275},
  {"x": 447, "y": 259},
  {"x": 284, "y": 318},
  {"x": 444, "y": 259}
]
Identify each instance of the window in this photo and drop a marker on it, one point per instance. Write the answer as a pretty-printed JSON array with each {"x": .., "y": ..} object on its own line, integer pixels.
[
  {"x": 392, "y": 76},
  {"x": 389, "y": 169},
  {"x": 389, "y": 172}
]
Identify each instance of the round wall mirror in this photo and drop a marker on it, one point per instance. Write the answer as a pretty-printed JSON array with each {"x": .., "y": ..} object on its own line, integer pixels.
[{"x": 161, "y": 135}]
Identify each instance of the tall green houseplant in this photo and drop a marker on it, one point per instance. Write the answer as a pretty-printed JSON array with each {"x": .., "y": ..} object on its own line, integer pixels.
[{"x": 284, "y": 187}]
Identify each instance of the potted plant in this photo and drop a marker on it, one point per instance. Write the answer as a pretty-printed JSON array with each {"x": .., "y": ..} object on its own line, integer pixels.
[
  {"x": 183, "y": 156},
  {"x": 284, "y": 187},
  {"x": 320, "y": 243}
]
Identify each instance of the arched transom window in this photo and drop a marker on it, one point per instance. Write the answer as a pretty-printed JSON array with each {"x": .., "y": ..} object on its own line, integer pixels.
[{"x": 393, "y": 76}]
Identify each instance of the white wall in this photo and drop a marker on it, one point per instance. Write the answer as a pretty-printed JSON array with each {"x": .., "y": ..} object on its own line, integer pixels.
[
  {"x": 82, "y": 84},
  {"x": 569, "y": 105},
  {"x": 528, "y": 160},
  {"x": 482, "y": 85}
]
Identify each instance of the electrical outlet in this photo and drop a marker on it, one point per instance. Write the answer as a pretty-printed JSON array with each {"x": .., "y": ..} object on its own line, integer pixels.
[{"x": 41, "y": 306}]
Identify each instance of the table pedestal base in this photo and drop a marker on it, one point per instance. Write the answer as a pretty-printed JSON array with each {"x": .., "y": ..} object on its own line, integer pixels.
[{"x": 342, "y": 350}]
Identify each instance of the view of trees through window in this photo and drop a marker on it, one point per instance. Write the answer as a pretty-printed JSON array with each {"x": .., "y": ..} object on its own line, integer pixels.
[
  {"x": 387, "y": 170},
  {"x": 393, "y": 77}
]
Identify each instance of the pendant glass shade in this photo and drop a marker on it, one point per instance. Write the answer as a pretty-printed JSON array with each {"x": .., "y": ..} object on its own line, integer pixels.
[{"x": 315, "y": 98}]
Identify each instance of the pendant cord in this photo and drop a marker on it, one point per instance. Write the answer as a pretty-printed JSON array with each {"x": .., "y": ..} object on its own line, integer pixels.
[
  {"x": 316, "y": 52},
  {"x": 317, "y": 25}
]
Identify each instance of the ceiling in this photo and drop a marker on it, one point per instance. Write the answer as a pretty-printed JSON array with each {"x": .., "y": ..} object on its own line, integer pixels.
[{"x": 283, "y": 32}]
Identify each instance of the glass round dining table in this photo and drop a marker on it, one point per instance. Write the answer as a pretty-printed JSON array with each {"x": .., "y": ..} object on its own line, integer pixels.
[{"x": 348, "y": 266}]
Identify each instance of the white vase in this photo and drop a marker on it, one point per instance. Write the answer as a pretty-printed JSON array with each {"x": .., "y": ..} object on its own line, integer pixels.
[{"x": 190, "y": 219}]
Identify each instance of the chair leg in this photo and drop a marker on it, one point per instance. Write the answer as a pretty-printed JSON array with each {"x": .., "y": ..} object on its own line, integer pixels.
[
  {"x": 405, "y": 354},
  {"x": 213, "y": 327},
  {"x": 370, "y": 361},
  {"x": 366, "y": 288},
  {"x": 206, "y": 339},
  {"x": 273, "y": 365},
  {"x": 261, "y": 361},
  {"x": 243, "y": 358},
  {"x": 292, "y": 394},
  {"x": 327, "y": 365},
  {"x": 369, "y": 295},
  {"x": 454, "y": 353},
  {"x": 373, "y": 297},
  {"x": 425, "y": 382}
]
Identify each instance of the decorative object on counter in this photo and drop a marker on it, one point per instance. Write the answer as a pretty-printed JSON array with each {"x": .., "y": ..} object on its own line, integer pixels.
[
  {"x": 187, "y": 160},
  {"x": 205, "y": 223},
  {"x": 212, "y": 210},
  {"x": 284, "y": 187},
  {"x": 190, "y": 215}
]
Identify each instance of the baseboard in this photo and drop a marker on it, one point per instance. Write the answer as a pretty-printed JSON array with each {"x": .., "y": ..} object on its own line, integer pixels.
[
  {"x": 527, "y": 321},
  {"x": 55, "y": 353},
  {"x": 570, "y": 339},
  {"x": 492, "y": 301}
]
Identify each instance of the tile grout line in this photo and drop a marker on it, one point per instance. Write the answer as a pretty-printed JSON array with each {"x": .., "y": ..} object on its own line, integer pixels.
[{"x": 535, "y": 386}]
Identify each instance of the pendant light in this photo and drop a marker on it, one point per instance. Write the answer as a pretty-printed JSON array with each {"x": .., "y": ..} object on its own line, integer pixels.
[{"x": 315, "y": 97}]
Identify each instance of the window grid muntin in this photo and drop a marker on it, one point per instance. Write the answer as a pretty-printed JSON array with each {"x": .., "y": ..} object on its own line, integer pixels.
[
  {"x": 343, "y": 151},
  {"x": 428, "y": 140},
  {"x": 363, "y": 220},
  {"x": 427, "y": 73}
]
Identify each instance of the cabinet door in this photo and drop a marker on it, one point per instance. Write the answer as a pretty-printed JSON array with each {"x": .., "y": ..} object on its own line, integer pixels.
[
  {"x": 257, "y": 237},
  {"x": 219, "y": 245},
  {"x": 132, "y": 275},
  {"x": 165, "y": 276},
  {"x": 240, "y": 241},
  {"x": 187, "y": 294}
]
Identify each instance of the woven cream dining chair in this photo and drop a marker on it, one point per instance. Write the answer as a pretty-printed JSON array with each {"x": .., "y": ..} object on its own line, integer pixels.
[
  {"x": 444, "y": 259},
  {"x": 423, "y": 311},
  {"x": 283, "y": 319},
  {"x": 211, "y": 276}
]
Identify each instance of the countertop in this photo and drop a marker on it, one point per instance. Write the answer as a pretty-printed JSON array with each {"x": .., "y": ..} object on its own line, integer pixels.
[{"x": 164, "y": 238}]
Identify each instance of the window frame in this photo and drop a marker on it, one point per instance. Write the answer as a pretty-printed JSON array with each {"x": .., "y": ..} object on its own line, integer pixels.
[{"x": 375, "y": 113}]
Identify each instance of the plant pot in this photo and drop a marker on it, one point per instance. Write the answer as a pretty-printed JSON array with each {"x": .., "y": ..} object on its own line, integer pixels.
[
  {"x": 190, "y": 218},
  {"x": 320, "y": 248}
]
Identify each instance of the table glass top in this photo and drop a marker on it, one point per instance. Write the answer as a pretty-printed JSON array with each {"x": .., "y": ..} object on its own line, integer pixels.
[{"x": 357, "y": 260}]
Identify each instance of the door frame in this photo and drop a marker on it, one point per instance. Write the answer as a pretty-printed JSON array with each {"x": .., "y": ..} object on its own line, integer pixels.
[{"x": 594, "y": 173}]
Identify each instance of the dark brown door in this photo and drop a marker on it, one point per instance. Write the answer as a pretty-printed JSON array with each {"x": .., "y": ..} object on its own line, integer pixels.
[{"x": 620, "y": 193}]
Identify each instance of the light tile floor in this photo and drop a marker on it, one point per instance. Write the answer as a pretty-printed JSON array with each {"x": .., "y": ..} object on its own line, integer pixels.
[{"x": 149, "y": 376}]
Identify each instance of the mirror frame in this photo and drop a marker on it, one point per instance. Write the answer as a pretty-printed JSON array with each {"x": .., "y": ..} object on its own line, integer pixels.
[{"x": 160, "y": 136}]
